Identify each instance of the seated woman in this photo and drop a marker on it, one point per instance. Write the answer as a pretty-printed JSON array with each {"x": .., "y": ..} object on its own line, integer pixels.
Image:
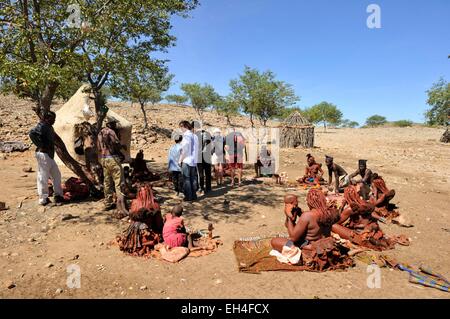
[
  {"x": 174, "y": 232},
  {"x": 381, "y": 194},
  {"x": 355, "y": 208},
  {"x": 141, "y": 173},
  {"x": 309, "y": 236},
  {"x": 313, "y": 172},
  {"x": 361, "y": 222}
]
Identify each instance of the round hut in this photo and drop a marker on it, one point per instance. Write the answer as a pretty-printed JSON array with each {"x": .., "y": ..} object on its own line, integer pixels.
[{"x": 296, "y": 131}]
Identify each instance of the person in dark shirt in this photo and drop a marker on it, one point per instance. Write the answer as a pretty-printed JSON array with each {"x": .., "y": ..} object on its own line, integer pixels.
[
  {"x": 366, "y": 178},
  {"x": 203, "y": 157},
  {"x": 341, "y": 178},
  {"x": 43, "y": 136},
  {"x": 109, "y": 148}
]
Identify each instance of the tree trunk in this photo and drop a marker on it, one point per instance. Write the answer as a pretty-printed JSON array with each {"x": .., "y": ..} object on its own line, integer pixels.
[
  {"x": 251, "y": 120},
  {"x": 325, "y": 126},
  {"x": 228, "y": 120},
  {"x": 145, "y": 115},
  {"x": 79, "y": 169}
]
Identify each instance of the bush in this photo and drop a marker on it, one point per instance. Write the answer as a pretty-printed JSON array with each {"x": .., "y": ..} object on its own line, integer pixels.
[
  {"x": 402, "y": 123},
  {"x": 375, "y": 120}
]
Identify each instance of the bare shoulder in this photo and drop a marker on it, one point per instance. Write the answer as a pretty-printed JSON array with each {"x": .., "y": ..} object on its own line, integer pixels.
[{"x": 307, "y": 216}]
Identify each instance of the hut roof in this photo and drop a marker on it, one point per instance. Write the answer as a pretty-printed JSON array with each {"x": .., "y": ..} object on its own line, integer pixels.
[{"x": 296, "y": 120}]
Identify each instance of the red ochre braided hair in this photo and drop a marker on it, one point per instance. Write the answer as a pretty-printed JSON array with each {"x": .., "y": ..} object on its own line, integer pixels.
[
  {"x": 352, "y": 198},
  {"x": 379, "y": 183},
  {"x": 317, "y": 200}
]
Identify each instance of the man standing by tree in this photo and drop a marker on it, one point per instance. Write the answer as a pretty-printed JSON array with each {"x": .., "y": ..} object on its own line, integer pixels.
[
  {"x": 203, "y": 157},
  {"x": 43, "y": 136},
  {"x": 110, "y": 155}
]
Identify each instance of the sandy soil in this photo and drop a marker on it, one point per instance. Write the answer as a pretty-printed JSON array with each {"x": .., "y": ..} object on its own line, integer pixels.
[{"x": 36, "y": 246}]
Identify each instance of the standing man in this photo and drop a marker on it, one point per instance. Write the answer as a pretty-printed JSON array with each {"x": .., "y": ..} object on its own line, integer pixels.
[
  {"x": 203, "y": 157},
  {"x": 174, "y": 167},
  {"x": 110, "y": 155},
  {"x": 188, "y": 163},
  {"x": 366, "y": 178},
  {"x": 43, "y": 136},
  {"x": 341, "y": 178},
  {"x": 236, "y": 147}
]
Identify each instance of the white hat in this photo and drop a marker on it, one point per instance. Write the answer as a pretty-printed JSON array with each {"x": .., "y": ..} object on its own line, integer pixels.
[{"x": 217, "y": 130}]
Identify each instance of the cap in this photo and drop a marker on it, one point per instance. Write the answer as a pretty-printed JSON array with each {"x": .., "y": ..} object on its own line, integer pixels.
[{"x": 362, "y": 162}]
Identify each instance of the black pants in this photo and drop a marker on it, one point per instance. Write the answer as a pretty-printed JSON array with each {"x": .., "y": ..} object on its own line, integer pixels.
[
  {"x": 177, "y": 180},
  {"x": 204, "y": 172}
]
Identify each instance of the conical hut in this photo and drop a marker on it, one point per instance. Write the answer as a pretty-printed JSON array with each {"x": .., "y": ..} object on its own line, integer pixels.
[
  {"x": 296, "y": 131},
  {"x": 78, "y": 111}
]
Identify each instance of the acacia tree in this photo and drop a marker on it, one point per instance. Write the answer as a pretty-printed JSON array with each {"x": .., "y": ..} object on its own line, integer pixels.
[
  {"x": 41, "y": 49},
  {"x": 324, "y": 112},
  {"x": 375, "y": 120},
  {"x": 202, "y": 97},
  {"x": 349, "y": 124},
  {"x": 177, "y": 99},
  {"x": 261, "y": 95},
  {"x": 228, "y": 107},
  {"x": 142, "y": 87},
  {"x": 439, "y": 100}
]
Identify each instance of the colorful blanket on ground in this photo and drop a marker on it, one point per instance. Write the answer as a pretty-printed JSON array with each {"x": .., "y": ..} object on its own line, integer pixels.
[{"x": 254, "y": 257}]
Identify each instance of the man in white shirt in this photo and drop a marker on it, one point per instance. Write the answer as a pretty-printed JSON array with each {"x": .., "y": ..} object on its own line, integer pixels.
[{"x": 188, "y": 162}]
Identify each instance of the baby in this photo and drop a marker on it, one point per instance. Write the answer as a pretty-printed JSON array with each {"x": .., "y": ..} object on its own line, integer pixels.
[{"x": 174, "y": 232}]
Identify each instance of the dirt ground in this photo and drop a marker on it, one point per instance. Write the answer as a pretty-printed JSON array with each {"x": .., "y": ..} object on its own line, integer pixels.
[{"x": 36, "y": 246}]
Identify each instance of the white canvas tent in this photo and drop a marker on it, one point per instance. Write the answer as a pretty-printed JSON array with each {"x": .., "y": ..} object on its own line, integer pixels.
[{"x": 76, "y": 111}]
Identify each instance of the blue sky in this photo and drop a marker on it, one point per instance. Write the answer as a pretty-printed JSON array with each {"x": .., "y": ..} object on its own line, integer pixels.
[{"x": 323, "y": 48}]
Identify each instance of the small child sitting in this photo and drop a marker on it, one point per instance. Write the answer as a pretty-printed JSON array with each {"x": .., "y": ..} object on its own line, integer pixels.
[{"x": 174, "y": 232}]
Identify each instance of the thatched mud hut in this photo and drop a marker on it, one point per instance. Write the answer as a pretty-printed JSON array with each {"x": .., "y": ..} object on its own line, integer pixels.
[{"x": 296, "y": 131}]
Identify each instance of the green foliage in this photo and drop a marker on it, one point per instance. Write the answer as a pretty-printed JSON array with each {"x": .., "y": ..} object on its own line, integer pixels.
[
  {"x": 375, "y": 120},
  {"x": 349, "y": 124},
  {"x": 324, "y": 112},
  {"x": 402, "y": 123},
  {"x": 39, "y": 51},
  {"x": 142, "y": 87},
  {"x": 227, "y": 106},
  {"x": 201, "y": 97},
  {"x": 439, "y": 100},
  {"x": 177, "y": 99},
  {"x": 259, "y": 94}
]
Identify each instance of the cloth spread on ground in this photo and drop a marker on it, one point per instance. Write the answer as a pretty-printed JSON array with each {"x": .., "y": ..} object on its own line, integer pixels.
[{"x": 254, "y": 257}]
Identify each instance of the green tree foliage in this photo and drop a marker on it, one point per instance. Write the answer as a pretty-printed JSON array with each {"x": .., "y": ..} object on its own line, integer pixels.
[
  {"x": 201, "y": 97},
  {"x": 402, "y": 123},
  {"x": 228, "y": 107},
  {"x": 349, "y": 124},
  {"x": 439, "y": 100},
  {"x": 142, "y": 87},
  {"x": 260, "y": 94},
  {"x": 324, "y": 112},
  {"x": 177, "y": 99},
  {"x": 43, "y": 45},
  {"x": 375, "y": 120}
]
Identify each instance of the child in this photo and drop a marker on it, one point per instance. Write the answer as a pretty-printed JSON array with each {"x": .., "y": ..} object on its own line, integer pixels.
[
  {"x": 174, "y": 167},
  {"x": 174, "y": 232}
]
